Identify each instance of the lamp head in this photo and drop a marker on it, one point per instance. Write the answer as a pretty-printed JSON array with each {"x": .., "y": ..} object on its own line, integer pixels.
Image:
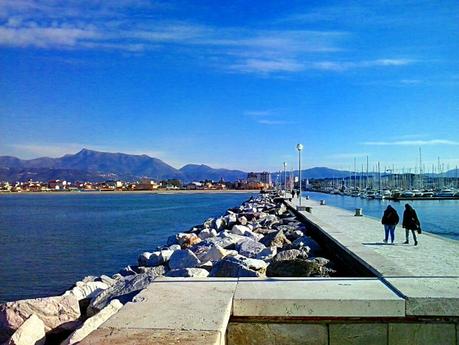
[
  {"x": 285, "y": 164},
  {"x": 299, "y": 147}
]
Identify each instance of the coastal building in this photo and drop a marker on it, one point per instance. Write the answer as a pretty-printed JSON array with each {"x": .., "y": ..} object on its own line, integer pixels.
[
  {"x": 146, "y": 184},
  {"x": 57, "y": 184},
  {"x": 263, "y": 177}
]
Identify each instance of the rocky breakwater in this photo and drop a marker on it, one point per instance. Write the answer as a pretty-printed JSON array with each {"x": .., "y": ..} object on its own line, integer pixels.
[{"x": 261, "y": 238}]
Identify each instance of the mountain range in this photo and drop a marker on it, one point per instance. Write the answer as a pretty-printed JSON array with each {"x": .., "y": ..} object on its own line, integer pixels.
[{"x": 90, "y": 165}]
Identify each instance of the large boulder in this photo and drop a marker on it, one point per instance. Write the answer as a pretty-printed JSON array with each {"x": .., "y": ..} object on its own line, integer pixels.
[
  {"x": 219, "y": 223},
  {"x": 267, "y": 254},
  {"x": 230, "y": 219},
  {"x": 290, "y": 254},
  {"x": 275, "y": 239},
  {"x": 239, "y": 229},
  {"x": 156, "y": 271},
  {"x": 183, "y": 259},
  {"x": 188, "y": 273},
  {"x": 226, "y": 240},
  {"x": 255, "y": 264},
  {"x": 84, "y": 290},
  {"x": 250, "y": 248},
  {"x": 124, "y": 290},
  {"x": 106, "y": 280},
  {"x": 242, "y": 220},
  {"x": 143, "y": 258},
  {"x": 93, "y": 322},
  {"x": 128, "y": 271},
  {"x": 294, "y": 268},
  {"x": 57, "y": 311},
  {"x": 206, "y": 233},
  {"x": 158, "y": 258},
  {"x": 232, "y": 267},
  {"x": 214, "y": 254},
  {"x": 31, "y": 332},
  {"x": 187, "y": 240}
]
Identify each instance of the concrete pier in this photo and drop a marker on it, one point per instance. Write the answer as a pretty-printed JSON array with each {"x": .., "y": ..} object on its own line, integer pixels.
[
  {"x": 406, "y": 295},
  {"x": 427, "y": 275}
]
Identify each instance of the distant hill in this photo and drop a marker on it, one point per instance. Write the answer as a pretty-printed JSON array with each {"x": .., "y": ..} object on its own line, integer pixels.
[
  {"x": 89, "y": 165},
  {"x": 452, "y": 173},
  {"x": 194, "y": 172},
  {"x": 47, "y": 174},
  {"x": 323, "y": 172}
]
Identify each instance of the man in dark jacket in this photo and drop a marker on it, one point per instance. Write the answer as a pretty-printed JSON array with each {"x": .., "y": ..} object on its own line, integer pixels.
[
  {"x": 390, "y": 220},
  {"x": 410, "y": 222}
]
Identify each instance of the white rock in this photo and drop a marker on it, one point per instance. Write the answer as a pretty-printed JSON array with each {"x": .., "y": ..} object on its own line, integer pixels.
[
  {"x": 159, "y": 258},
  {"x": 175, "y": 247},
  {"x": 87, "y": 290},
  {"x": 93, "y": 322},
  {"x": 215, "y": 253},
  {"x": 53, "y": 311},
  {"x": 254, "y": 236},
  {"x": 31, "y": 332},
  {"x": 239, "y": 229},
  {"x": 254, "y": 264},
  {"x": 219, "y": 223},
  {"x": 205, "y": 233},
  {"x": 183, "y": 259},
  {"x": 143, "y": 258},
  {"x": 188, "y": 273}
]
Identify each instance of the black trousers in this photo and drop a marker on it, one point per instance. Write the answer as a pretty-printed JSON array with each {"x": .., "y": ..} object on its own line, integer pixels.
[{"x": 407, "y": 234}]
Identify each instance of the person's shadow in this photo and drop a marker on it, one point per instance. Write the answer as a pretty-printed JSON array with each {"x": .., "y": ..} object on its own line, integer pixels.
[{"x": 377, "y": 244}]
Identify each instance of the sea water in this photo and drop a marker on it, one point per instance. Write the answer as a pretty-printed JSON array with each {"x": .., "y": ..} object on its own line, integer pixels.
[
  {"x": 49, "y": 241},
  {"x": 440, "y": 217}
]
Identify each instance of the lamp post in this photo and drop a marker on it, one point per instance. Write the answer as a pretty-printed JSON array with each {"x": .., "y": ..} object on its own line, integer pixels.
[
  {"x": 285, "y": 178},
  {"x": 299, "y": 147}
]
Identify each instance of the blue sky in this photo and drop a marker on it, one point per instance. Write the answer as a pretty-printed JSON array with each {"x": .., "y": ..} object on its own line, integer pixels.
[{"x": 232, "y": 84}]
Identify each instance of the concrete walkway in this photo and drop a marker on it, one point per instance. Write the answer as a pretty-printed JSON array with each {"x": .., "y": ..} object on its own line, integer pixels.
[{"x": 427, "y": 275}]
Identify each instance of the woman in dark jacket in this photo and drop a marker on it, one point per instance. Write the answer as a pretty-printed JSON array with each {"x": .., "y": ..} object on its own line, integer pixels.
[
  {"x": 390, "y": 220},
  {"x": 410, "y": 222}
]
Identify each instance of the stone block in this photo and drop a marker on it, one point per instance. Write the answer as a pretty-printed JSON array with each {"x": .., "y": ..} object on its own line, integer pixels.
[
  {"x": 422, "y": 334},
  {"x": 358, "y": 334},
  {"x": 316, "y": 297},
  {"x": 277, "y": 334},
  {"x": 179, "y": 304},
  {"x": 150, "y": 337},
  {"x": 436, "y": 296}
]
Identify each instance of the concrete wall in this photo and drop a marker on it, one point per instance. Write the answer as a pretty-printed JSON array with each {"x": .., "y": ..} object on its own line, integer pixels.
[{"x": 428, "y": 332}]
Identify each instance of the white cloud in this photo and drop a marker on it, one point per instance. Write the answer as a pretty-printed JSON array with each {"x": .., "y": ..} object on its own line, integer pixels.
[
  {"x": 274, "y": 122},
  {"x": 105, "y": 25},
  {"x": 412, "y": 142},
  {"x": 339, "y": 66},
  {"x": 267, "y": 66}
]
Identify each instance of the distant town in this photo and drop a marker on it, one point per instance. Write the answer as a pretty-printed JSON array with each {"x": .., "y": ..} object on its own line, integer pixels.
[{"x": 254, "y": 181}]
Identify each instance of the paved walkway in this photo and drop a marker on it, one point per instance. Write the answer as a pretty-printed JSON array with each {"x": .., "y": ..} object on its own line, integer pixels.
[{"x": 425, "y": 273}]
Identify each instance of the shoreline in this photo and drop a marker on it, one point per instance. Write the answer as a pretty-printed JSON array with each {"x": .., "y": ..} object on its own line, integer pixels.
[{"x": 209, "y": 191}]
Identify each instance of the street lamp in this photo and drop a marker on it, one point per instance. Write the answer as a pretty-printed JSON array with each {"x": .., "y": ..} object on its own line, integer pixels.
[
  {"x": 299, "y": 147},
  {"x": 285, "y": 178}
]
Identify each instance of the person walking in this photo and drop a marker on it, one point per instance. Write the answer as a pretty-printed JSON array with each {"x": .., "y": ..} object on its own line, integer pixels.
[
  {"x": 411, "y": 222},
  {"x": 390, "y": 220}
]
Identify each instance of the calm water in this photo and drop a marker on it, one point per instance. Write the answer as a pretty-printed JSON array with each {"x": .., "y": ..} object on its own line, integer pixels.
[
  {"x": 47, "y": 242},
  {"x": 440, "y": 217}
]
